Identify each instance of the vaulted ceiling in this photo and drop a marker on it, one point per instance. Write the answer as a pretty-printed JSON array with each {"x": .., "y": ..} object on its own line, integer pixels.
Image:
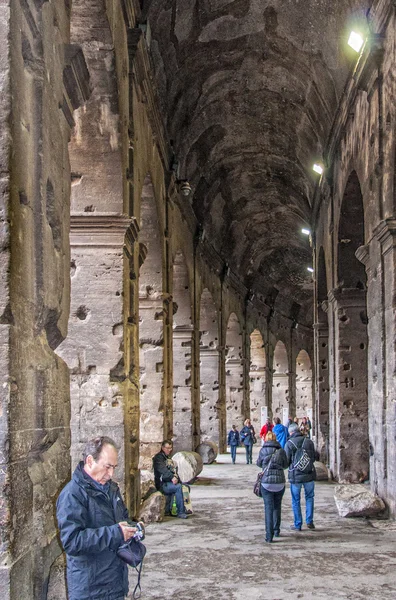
[{"x": 249, "y": 90}]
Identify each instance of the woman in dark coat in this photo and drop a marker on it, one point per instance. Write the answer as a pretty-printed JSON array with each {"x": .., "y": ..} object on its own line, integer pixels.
[
  {"x": 248, "y": 438},
  {"x": 272, "y": 459}
]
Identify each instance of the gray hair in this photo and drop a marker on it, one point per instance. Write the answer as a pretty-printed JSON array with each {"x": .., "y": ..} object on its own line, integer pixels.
[{"x": 94, "y": 447}]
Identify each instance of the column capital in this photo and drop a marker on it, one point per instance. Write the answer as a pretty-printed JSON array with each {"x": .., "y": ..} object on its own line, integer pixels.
[
  {"x": 102, "y": 229},
  {"x": 345, "y": 297},
  {"x": 385, "y": 232},
  {"x": 321, "y": 328}
]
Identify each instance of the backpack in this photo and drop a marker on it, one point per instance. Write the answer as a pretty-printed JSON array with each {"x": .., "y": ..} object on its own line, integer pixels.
[{"x": 301, "y": 460}]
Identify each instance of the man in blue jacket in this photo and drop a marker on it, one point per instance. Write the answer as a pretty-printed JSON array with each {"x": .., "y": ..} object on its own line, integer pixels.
[
  {"x": 93, "y": 523},
  {"x": 281, "y": 432},
  {"x": 233, "y": 442}
]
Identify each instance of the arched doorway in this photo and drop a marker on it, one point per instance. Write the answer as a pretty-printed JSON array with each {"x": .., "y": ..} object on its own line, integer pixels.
[
  {"x": 257, "y": 378},
  {"x": 304, "y": 386},
  {"x": 280, "y": 382},
  {"x": 349, "y": 406},
  {"x": 209, "y": 369},
  {"x": 182, "y": 344},
  {"x": 235, "y": 410},
  {"x": 151, "y": 337}
]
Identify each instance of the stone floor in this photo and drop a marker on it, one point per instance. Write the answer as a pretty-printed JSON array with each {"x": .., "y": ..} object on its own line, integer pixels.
[{"x": 219, "y": 553}]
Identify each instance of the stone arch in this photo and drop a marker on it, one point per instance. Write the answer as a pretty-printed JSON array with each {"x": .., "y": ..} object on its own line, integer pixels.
[
  {"x": 257, "y": 378},
  {"x": 280, "y": 381},
  {"x": 304, "y": 386},
  {"x": 151, "y": 327},
  {"x": 235, "y": 410},
  {"x": 321, "y": 423},
  {"x": 209, "y": 369},
  {"x": 349, "y": 419},
  {"x": 182, "y": 345},
  {"x": 351, "y": 272}
]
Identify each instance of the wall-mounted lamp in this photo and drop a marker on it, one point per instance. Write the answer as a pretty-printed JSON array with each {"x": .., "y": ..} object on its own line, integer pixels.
[
  {"x": 305, "y": 231},
  {"x": 184, "y": 187},
  {"x": 318, "y": 169},
  {"x": 355, "y": 41},
  {"x": 310, "y": 269}
]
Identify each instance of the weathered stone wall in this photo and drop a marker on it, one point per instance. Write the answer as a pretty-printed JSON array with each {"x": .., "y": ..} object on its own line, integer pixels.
[
  {"x": 362, "y": 410},
  {"x": 36, "y": 428}
]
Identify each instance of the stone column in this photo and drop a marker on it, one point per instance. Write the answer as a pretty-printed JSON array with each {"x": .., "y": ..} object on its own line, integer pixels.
[
  {"x": 381, "y": 273},
  {"x": 94, "y": 348},
  {"x": 182, "y": 414},
  {"x": 349, "y": 437},
  {"x": 322, "y": 390}
]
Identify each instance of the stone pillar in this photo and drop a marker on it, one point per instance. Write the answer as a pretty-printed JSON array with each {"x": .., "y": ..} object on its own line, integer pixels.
[
  {"x": 182, "y": 414},
  {"x": 349, "y": 435},
  {"x": 152, "y": 385},
  {"x": 290, "y": 392},
  {"x": 209, "y": 403},
  {"x": 94, "y": 348},
  {"x": 381, "y": 274},
  {"x": 322, "y": 390}
]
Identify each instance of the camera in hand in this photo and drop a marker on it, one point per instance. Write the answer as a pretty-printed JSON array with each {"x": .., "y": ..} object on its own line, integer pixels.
[{"x": 140, "y": 532}]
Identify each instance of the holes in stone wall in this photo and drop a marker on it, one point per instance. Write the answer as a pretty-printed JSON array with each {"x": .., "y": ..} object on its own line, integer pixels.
[
  {"x": 73, "y": 268},
  {"x": 82, "y": 313},
  {"x": 363, "y": 317}
]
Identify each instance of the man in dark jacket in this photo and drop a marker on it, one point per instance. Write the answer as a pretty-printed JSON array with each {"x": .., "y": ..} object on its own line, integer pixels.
[
  {"x": 167, "y": 480},
  {"x": 93, "y": 523},
  {"x": 299, "y": 478}
]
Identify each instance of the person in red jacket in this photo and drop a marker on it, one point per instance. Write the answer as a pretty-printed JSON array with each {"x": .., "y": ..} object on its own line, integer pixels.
[{"x": 268, "y": 426}]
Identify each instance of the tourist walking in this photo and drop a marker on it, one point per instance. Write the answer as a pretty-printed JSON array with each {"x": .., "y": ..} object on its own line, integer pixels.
[
  {"x": 248, "y": 438},
  {"x": 301, "y": 474},
  {"x": 233, "y": 441},
  {"x": 268, "y": 426},
  {"x": 281, "y": 432},
  {"x": 272, "y": 459}
]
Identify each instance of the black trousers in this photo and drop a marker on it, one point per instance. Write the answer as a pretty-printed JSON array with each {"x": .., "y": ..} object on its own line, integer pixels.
[{"x": 272, "y": 512}]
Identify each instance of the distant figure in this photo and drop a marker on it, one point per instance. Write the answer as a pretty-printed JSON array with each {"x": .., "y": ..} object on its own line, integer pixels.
[
  {"x": 281, "y": 432},
  {"x": 309, "y": 424},
  {"x": 272, "y": 459},
  {"x": 299, "y": 477},
  {"x": 304, "y": 428},
  {"x": 248, "y": 438},
  {"x": 233, "y": 441},
  {"x": 295, "y": 420},
  {"x": 268, "y": 426}
]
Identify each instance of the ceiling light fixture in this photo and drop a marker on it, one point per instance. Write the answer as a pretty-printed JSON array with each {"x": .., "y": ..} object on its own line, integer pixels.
[
  {"x": 355, "y": 41},
  {"x": 184, "y": 187},
  {"x": 305, "y": 231},
  {"x": 318, "y": 168}
]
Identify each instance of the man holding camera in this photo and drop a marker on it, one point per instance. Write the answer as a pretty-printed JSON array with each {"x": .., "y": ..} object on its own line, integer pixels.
[
  {"x": 93, "y": 523},
  {"x": 167, "y": 480}
]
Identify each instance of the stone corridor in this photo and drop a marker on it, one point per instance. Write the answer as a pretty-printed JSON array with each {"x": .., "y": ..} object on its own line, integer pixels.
[{"x": 219, "y": 552}]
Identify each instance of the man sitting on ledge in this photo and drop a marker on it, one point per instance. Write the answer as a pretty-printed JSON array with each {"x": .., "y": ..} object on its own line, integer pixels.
[{"x": 167, "y": 480}]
